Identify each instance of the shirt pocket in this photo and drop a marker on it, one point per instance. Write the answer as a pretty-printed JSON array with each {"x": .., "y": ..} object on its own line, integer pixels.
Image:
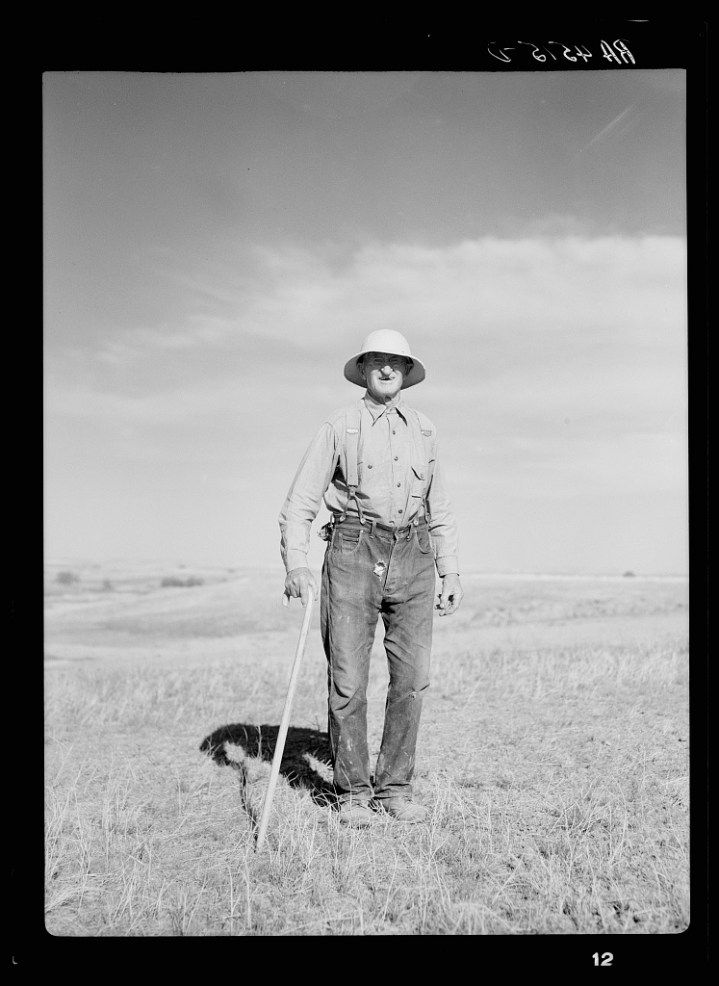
[{"x": 418, "y": 479}]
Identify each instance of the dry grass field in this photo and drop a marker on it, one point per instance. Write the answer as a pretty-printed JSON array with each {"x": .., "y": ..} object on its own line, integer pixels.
[{"x": 553, "y": 754}]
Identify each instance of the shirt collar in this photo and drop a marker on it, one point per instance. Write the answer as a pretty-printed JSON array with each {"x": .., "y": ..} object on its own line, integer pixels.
[{"x": 377, "y": 410}]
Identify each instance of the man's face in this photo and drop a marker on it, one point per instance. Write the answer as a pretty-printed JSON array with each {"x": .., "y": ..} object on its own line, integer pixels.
[{"x": 384, "y": 375}]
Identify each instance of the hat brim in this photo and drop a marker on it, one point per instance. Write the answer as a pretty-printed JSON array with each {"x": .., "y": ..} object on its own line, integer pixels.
[{"x": 415, "y": 375}]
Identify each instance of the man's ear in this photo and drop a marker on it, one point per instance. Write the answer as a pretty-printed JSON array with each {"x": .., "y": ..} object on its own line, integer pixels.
[{"x": 360, "y": 367}]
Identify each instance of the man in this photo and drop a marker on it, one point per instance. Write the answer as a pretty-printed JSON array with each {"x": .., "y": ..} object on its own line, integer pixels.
[{"x": 375, "y": 463}]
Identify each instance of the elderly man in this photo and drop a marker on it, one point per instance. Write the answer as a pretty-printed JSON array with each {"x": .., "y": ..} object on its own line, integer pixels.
[{"x": 375, "y": 463}]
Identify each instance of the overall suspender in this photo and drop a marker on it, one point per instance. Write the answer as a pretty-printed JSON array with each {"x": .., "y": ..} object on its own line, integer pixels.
[{"x": 352, "y": 433}]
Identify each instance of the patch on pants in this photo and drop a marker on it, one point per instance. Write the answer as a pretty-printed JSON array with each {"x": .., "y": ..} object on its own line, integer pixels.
[{"x": 379, "y": 569}]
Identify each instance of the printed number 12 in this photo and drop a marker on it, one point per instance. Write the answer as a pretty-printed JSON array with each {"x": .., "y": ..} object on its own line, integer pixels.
[{"x": 606, "y": 958}]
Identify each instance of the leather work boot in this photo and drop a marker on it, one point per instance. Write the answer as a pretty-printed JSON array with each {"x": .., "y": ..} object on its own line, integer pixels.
[
  {"x": 357, "y": 814},
  {"x": 404, "y": 810}
]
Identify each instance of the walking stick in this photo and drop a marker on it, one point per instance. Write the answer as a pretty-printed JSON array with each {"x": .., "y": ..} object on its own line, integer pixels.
[{"x": 282, "y": 734}]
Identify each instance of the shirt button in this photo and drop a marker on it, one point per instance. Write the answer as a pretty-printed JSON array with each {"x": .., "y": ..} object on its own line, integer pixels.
[
  {"x": 396, "y": 458},
  {"x": 399, "y": 484},
  {"x": 369, "y": 465},
  {"x": 394, "y": 431}
]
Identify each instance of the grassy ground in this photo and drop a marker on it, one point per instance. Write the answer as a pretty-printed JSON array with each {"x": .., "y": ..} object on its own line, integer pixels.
[{"x": 553, "y": 756}]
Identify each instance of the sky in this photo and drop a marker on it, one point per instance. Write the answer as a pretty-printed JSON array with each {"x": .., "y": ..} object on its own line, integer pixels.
[{"x": 217, "y": 245}]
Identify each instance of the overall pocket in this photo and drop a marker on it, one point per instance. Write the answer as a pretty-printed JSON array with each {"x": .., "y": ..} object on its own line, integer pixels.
[{"x": 347, "y": 542}]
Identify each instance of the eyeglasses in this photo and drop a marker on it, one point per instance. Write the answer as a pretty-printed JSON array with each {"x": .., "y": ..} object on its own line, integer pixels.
[{"x": 382, "y": 359}]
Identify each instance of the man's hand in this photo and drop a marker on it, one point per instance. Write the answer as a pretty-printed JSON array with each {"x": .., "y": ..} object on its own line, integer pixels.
[
  {"x": 298, "y": 584},
  {"x": 451, "y": 595}
]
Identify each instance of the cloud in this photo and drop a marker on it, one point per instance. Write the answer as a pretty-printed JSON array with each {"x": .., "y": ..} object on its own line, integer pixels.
[
  {"x": 527, "y": 329},
  {"x": 519, "y": 333},
  {"x": 535, "y": 287},
  {"x": 556, "y": 376},
  {"x": 539, "y": 284}
]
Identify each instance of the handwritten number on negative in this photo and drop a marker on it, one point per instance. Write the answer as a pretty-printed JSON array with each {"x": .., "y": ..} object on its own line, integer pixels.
[
  {"x": 612, "y": 53},
  {"x": 502, "y": 56},
  {"x": 616, "y": 52},
  {"x": 541, "y": 57},
  {"x": 606, "y": 958}
]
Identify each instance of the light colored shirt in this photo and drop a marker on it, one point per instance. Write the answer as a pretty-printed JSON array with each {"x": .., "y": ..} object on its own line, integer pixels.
[{"x": 387, "y": 485}]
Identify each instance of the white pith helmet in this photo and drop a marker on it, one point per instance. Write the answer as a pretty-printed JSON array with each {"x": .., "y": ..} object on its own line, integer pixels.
[{"x": 394, "y": 344}]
